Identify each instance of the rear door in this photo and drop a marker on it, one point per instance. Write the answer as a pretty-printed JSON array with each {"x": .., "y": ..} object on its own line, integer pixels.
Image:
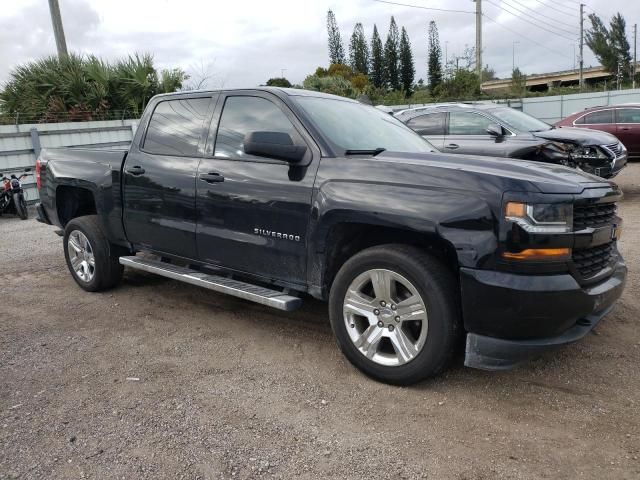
[
  {"x": 467, "y": 134},
  {"x": 159, "y": 177},
  {"x": 253, "y": 212},
  {"x": 431, "y": 126},
  {"x": 602, "y": 120},
  {"x": 628, "y": 129}
]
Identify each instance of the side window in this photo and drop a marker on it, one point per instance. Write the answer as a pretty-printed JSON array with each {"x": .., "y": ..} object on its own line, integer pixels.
[
  {"x": 628, "y": 115},
  {"x": 175, "y": 127},
  {"x": 595, "y": 118},
  {"x": 579, "y": 121},
  {"x": 465, "y": 123},
  {"x": 429, "y": 124},
  {"x": 242, "y": 115}
]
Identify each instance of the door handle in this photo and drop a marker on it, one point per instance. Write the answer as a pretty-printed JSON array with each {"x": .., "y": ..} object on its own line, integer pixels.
[
  {"x": 626, "y": 129},
  {"x": 212, "y": 177},
  {"x": 452, "y": 146},
  {"x": 135, "y": 170}
]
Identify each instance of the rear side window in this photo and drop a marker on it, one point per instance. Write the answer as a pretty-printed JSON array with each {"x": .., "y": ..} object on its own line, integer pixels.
[
  {"x": 429, "y": 124},
  {"x": 175, "y": 127},
  {"x": 596, "y": 118},
  {"x": 242, "y": 115},
  {"x": 628, "y": 115},
  {"x": 465, "y": 123}
]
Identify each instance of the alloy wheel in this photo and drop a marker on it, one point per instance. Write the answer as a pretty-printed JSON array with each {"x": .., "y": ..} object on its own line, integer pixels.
[
  {"x": 385, "y": 317},
  {"x": 81, "y": 256}
]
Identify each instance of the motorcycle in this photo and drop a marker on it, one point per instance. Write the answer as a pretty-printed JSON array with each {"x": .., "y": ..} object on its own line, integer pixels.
[{"x": 12, "y": 195}]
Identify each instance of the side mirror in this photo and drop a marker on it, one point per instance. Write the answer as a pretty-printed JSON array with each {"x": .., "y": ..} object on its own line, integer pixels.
[
  {"x": 273, "y": 145},
  {"x": 495, "y": 130}
]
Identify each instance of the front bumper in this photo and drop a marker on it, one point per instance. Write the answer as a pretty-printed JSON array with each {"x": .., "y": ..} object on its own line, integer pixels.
[{"x": 511, "y": 318}]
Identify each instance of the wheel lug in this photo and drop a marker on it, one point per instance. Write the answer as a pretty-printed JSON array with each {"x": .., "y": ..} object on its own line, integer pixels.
[
  {"x": 380, "y": 324},
  {"x": 383, "y": 303},
  {"x": 397, "y": 319},
  {"x": 391, "y": 327},
  {"x": 393, "y": 307},
  {"x": 376, "y": 312}
]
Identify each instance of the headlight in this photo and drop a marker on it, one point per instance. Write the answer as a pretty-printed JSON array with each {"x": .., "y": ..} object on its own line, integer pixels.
[
  {"x": 541, "y": 217},
  {"x": 589, "y": 153}
]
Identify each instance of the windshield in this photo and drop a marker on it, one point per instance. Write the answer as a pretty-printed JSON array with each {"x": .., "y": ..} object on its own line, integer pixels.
[
  {"x": 355, "y": 126},
  {"x": 520, "y": 121}
]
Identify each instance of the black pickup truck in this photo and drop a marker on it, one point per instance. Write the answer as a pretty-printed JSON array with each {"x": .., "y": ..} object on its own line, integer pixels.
[{"x": 272, "y": 195}]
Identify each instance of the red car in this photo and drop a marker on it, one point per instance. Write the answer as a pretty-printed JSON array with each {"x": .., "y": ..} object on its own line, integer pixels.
[{"x": 623, "y": 121}]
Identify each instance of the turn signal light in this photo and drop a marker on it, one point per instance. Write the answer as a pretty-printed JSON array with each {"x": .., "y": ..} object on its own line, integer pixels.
[
  {"x": 515, "y": 209},
  {"x": 539, "y": 254}
]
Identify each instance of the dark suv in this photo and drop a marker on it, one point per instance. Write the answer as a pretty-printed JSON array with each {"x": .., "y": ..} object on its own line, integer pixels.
[
  {"x": 498, "y": 131},
  {"x": 623, "y": 121}
]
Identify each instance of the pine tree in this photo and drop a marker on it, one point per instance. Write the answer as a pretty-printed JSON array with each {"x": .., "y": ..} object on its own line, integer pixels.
[
  {"x": 610, "y": 45},
  {"x": 435, "y": 57},
  {"x": 391, "y": 77},
  {"x": 359, "y": 51},
  {"x": 376, "y": 67},
  {"x": 407, "y": 69},
  {"x": 336, "y": 49}
]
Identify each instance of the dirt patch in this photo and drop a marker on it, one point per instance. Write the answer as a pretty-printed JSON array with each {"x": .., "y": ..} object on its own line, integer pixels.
[{"x": 157, "y": 379}]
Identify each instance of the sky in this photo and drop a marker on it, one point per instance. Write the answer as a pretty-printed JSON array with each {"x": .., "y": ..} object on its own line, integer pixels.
[{"x": 241, "y": 43}]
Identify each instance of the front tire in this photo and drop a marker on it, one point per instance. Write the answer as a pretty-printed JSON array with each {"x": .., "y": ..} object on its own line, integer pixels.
[
  {"x": 393, "y": 310},
  {"x": 91, "y": 259},
  {"x": 21, "y": 206}
]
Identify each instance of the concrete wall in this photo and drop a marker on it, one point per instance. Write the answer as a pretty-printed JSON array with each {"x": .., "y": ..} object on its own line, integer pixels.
[
  {"x": 20, "y": 144},
  {"x": 552, "y": 109}
]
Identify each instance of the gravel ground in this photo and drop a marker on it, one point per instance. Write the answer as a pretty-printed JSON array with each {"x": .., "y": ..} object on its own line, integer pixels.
[{"x": 158, "y": 379}]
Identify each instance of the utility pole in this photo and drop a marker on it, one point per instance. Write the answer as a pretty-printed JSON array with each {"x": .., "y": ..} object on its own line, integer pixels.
[
  {"x": 635, "y": 60},
  {"x": 479, "y": 40},
  {"x": 581, "y": 46},
  {"x": 58, "y": 31},
  {"x": 513, "y": 56}
]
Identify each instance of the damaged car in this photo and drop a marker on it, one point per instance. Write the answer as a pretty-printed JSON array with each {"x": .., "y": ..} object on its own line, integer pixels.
[{"x": 498, "y": 131}]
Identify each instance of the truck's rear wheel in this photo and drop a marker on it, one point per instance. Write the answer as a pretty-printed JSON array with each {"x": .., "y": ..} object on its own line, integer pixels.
[
  {"x": 92, "y": 261},
  {"x": 393, "y": 311}
]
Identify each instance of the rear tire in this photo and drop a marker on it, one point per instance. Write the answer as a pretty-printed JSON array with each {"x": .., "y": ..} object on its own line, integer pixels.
[
  {"x": 91, "y": 259},
  {"x": 394, "y": 312}
]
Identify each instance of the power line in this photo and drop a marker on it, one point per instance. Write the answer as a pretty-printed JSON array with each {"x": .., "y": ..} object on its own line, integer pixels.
[
  {"x": 556, "y": 8},
  {"x": 535, "y": 12},
  {"x": 424, "y": 8},
  {"x": 530, "y": 22},
  {"x": 523, "y": 36}
]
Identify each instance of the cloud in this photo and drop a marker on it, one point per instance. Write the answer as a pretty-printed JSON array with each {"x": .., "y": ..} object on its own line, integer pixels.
[{"x": 247, "y": 42}]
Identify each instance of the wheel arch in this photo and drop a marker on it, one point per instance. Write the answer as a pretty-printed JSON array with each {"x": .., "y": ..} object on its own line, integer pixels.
[{"x": 345, "y": 239}]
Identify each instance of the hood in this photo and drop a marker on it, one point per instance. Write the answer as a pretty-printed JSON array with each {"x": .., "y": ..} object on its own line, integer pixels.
[
  {"x": 579, "y": 136},
  {"x": 510, "y": 174}
]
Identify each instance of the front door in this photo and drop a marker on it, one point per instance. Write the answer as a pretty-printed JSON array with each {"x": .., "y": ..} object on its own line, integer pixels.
[
  {"x": 253, "y": 212},
  {"x": 467, "y": 134},
  {"x": 628, "y": 129},
  {"x": 159, "y": 177}
]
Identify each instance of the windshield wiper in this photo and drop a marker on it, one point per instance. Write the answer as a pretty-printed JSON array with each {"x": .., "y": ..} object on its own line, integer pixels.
[{"x": 372, "y": 151}]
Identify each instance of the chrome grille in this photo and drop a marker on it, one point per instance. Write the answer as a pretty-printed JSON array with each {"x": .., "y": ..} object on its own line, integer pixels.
[
  {"x": 594, "y": 215},
  {"x": 615, "y": 148}
]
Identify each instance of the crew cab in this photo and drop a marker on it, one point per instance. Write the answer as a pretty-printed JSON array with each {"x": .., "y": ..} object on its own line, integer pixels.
[{"x": 274, "y": 195}]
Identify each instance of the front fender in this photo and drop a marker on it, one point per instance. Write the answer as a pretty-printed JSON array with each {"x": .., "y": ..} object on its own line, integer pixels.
[{"x": 461, "y": 219}]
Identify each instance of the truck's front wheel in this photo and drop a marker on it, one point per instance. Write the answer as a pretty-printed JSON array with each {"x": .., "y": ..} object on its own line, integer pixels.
[
  {"x": 393, "y": 311},
  {"x": 92, "y": 261}
]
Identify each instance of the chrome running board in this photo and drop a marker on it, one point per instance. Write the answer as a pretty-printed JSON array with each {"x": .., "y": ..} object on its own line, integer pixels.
[{"x": 246, "y": 291}]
